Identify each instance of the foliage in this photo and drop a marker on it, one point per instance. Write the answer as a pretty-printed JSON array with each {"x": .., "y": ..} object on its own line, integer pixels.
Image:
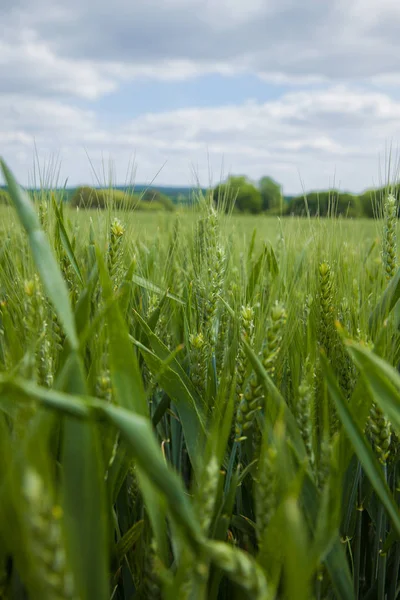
[
  {"x": 88, "y": 197},
  {"x": 157, "y": 198},
  {"x": 240, "y": 193},
  {"x": 270, "y": 192},
  {"x": 236, "y": 192},
  {"x": 326, "y": 203},
  {"x": 186, "y": 415},
  {"x": 4, "y": 197},
  {"x": 371, "y": 203},
  {"x": 368, "y": 204}
]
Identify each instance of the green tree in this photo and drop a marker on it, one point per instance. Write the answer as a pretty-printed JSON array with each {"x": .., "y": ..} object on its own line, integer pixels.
[
  {"x": 347, "y": 205},
  {"x": 270, "y": 193},
  {"x": 327, "y": 203},
  {"x": 371, "y": 203},
  {"x": 239, "y": 192},
  {"x": 372, "y": 200}
]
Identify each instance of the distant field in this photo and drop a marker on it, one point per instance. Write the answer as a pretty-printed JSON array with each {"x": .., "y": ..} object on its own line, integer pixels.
[{"x": 148, "y": 225}]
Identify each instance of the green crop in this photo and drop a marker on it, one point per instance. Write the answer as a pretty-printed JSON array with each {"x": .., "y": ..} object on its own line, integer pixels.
[{"x": 194, "y": 408}]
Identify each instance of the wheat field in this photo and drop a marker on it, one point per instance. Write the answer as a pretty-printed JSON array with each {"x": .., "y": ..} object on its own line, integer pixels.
[{"x": 197, "y": 405}]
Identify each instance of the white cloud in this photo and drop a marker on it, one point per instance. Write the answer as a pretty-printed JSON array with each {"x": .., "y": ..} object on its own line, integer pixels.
[
  {"x": 42, "y": 118},
  {"x": 315, "y": 133},
  {"x": 87, "y": 48},
  {"x": 340, "y": 60},
  {"x": 27, "y": 64}
]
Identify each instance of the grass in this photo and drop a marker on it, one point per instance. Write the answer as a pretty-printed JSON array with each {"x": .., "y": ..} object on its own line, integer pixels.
[{"x": 197, "y": 405}]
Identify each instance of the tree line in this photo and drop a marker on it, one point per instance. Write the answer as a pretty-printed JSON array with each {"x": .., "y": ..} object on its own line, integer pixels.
[
  {"x": 100, "y": 198},
  {"x": 239, "y": 194}
]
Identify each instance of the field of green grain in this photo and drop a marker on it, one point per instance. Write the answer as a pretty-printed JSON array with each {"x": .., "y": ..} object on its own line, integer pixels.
[{"x": 197, "y": 406}]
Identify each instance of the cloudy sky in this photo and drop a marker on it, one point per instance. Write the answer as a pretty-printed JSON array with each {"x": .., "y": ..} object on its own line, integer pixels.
[{"x": 306, "y": 92}]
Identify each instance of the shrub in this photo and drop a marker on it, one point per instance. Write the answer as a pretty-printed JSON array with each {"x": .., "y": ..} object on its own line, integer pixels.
[
  {"x": 158, "y": 198},
  {"x": 88, "y": 197},
  {"x": 4, "y": 197}
]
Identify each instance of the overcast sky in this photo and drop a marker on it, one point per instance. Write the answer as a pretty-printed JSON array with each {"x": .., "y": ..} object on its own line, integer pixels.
[{"x": 306, "y": 92}]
